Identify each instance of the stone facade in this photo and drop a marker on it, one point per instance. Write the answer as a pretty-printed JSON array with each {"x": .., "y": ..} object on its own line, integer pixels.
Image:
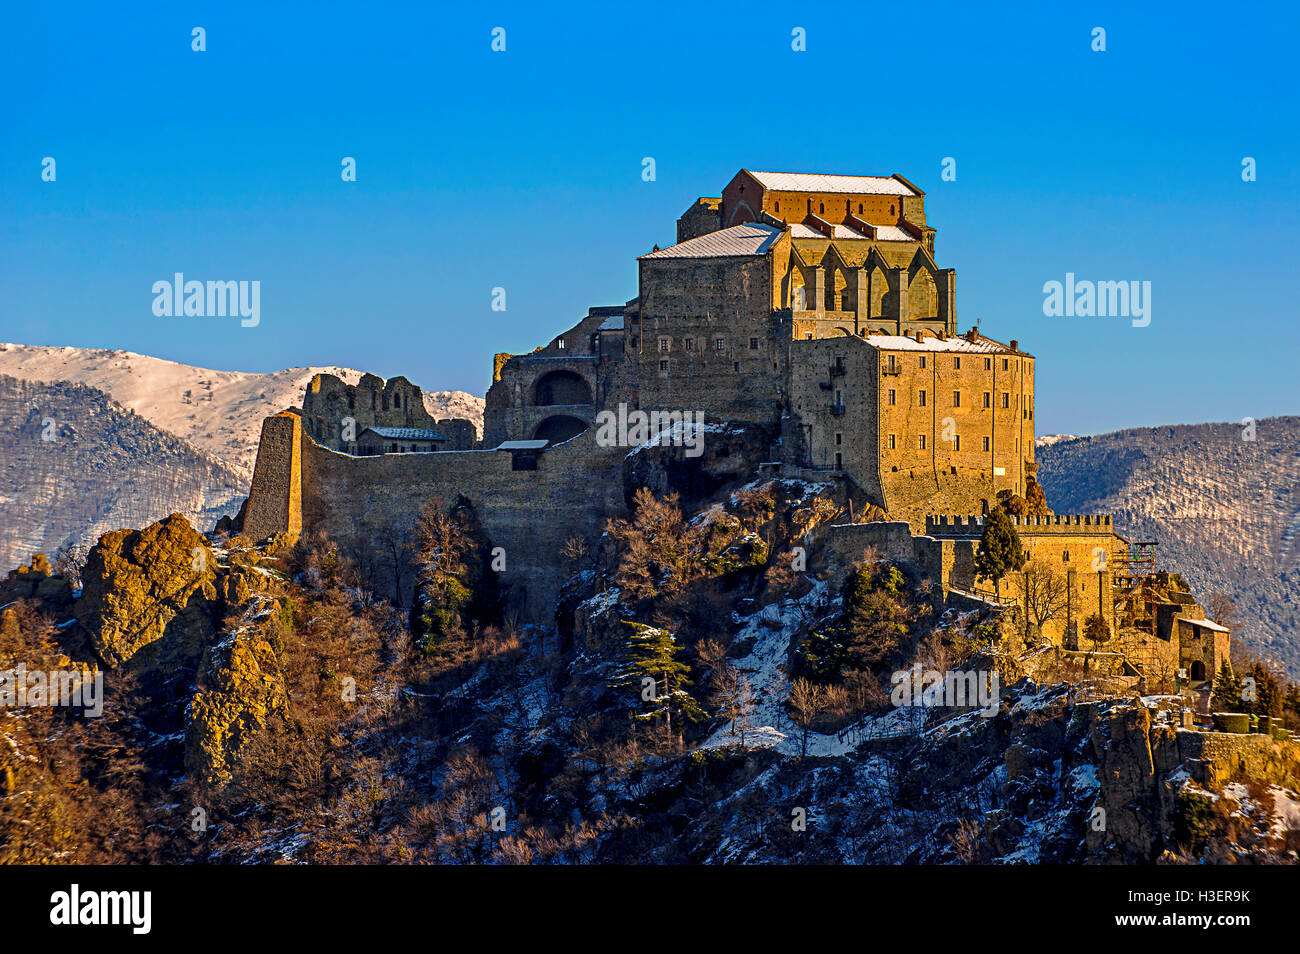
[{"x": 807, "y": 309}]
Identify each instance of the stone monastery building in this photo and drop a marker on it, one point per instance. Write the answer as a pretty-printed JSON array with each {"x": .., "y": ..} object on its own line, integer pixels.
[{"x": 804, "y": 315}]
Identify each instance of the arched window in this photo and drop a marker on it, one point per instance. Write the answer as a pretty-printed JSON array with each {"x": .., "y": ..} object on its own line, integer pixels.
[{"x": 821, "y": 207}]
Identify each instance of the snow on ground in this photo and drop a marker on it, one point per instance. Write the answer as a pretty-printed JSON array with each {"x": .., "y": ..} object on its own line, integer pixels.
[{"x": 769, "y": 725}]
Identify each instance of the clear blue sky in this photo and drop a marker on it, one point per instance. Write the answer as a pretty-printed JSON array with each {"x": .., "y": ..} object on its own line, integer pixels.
[{"x": 523, "y": 170}]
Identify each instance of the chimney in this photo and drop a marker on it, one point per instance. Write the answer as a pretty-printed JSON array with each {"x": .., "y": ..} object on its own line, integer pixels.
[
  {"x": 940, "y": 335},
  {"x": 972, "y": 336},
  {"x": 1015, "y": 345}
]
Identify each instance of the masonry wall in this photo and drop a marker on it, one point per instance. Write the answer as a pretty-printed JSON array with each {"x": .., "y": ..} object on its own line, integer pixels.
[
  {"x": 370, "y": 504},
  {"x": 951, "y": 454},
  {"x": 373, "y": 402},
  {"x": 688, "y": 305},
  {"x": 826, "y": 375},
  {"x": 275, "y": 498}
]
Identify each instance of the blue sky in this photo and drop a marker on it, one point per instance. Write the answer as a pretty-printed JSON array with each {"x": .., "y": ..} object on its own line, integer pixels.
[{"x": 522, "y": 170}]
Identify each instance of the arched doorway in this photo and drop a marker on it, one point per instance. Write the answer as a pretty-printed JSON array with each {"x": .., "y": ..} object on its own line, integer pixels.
[
  {"x": 561, "y": 387},
  {"x": 1198, "y": 671},
  {"x": 559, "y": 428}
]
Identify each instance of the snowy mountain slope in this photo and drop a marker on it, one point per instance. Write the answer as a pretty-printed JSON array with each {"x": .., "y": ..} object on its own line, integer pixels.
[
  {"x": 74, "y": 465},
  {"x": 219, "y": 412}
]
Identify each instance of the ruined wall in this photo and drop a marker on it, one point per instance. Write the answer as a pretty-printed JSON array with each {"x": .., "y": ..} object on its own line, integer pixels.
[
  {"x": 275, "y": 498},
  {"x": 372, "y": 402}
]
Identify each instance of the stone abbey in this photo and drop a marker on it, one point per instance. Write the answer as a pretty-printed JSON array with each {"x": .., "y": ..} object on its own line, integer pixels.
[{"x": 803, "y": 315}]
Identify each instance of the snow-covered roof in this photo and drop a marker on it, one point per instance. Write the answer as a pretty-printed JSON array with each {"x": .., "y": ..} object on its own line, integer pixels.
[
  {"x": 813, "y": 182},
  {"x": 1207, "y": 624},
  {"x": 408, "y": 433},
  {"x": 522, "y": 445},
  {"x": 884, "y": 233},
  {"x": 751, "y": 238},
  {"x": 980, "y": 345}
]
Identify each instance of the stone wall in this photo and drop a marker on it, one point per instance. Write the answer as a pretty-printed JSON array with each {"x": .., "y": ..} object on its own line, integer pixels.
[
  {"x": 373, "y": 402},
  {"x": 275, "y": 498},
  {"x": 369, "y": 505},
  {"x": 688, "y": 307}
]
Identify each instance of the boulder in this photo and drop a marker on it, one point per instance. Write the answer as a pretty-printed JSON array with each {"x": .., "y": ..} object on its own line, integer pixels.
[
  {"x": 136, "y": 583},
  {"x": 240, "y": 689}
]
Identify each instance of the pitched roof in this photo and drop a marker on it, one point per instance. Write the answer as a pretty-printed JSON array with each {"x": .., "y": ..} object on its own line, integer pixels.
[
  {"x": 1205, "y": 624},
  {"x": 407, "y": 433},
  {"x": 814, "y": 182},
  {"x": 980, "y": 345},
  {"x": 751, "y": 238}
]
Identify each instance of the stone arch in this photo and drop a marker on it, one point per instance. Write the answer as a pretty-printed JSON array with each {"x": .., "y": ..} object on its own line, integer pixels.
[
  {"x": 922, "y": 296},
  {"x": 844, "y": 331},
  {"x": 879, "y": 294},
  {"x": 561, "y": 387},
  {"x": 559, "y": 428},
  {"x": 1197, "y": 671},
  {"x": 798, "y": 296},
  {"x": 744, "y": 210}
]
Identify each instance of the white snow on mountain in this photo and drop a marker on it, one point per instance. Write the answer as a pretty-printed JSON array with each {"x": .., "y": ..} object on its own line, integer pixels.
[{"x": 220, "y": 412}]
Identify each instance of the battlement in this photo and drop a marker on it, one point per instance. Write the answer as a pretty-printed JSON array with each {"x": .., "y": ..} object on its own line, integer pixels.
[{"x": 958, "y": 525}]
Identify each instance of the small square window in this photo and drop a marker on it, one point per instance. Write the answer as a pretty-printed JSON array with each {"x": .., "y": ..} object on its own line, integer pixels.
[
  {"x": 921, "y": 400},
  {"x": 988, "y": 364},
  {"x": 839, "y": 438},
  {"x": 892, "y": 442},
  {"x": 893, "y": 396},
  {"x": 923, "y": 361},
  {"x": 753, "y": 344},
  {"x": 689, "y": 344},
  {"x": 986, "y": 445},
  {"x": 956, "y": 399},
  {"x": 735, "y": 366},
  {"x": 1004, "y": 364},
  {"x": 988, "y": 399},
  {"x": 559, "y": 343},
  {"x": 664, "y": 344},
  {"x": 921, "y": 442},
  {"x": 719, "y": 344},
  {"x": 956, "y": 363},
  {"x": 1006, "y": 399},
  {"x": 663, "y": 365}
]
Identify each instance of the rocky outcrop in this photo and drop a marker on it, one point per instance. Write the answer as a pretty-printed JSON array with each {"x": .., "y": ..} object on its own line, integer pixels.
[
  {"x": 140, "y": 586},
  {"x": 240, "y": 689}
]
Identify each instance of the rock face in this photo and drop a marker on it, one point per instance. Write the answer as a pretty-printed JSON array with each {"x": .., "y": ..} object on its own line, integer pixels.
[
  {"x": 140, "y": 586},
  {"x": 240, "y": 688}
]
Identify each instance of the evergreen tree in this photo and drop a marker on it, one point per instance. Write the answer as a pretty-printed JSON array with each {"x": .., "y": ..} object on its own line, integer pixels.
[
  {"x": 1292, "y": 701},
  {"x": 1227, "y": 689},
  {"x": 1000, "y": 551},
  {"x": 1095, "y": 629},
  {"x": 649, "y": 668}
]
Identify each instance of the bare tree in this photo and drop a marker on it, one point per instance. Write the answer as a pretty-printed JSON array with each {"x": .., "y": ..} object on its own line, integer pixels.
[
  {"x": 1043, "y": 591},
  {"x": 808, "y": 702}
]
